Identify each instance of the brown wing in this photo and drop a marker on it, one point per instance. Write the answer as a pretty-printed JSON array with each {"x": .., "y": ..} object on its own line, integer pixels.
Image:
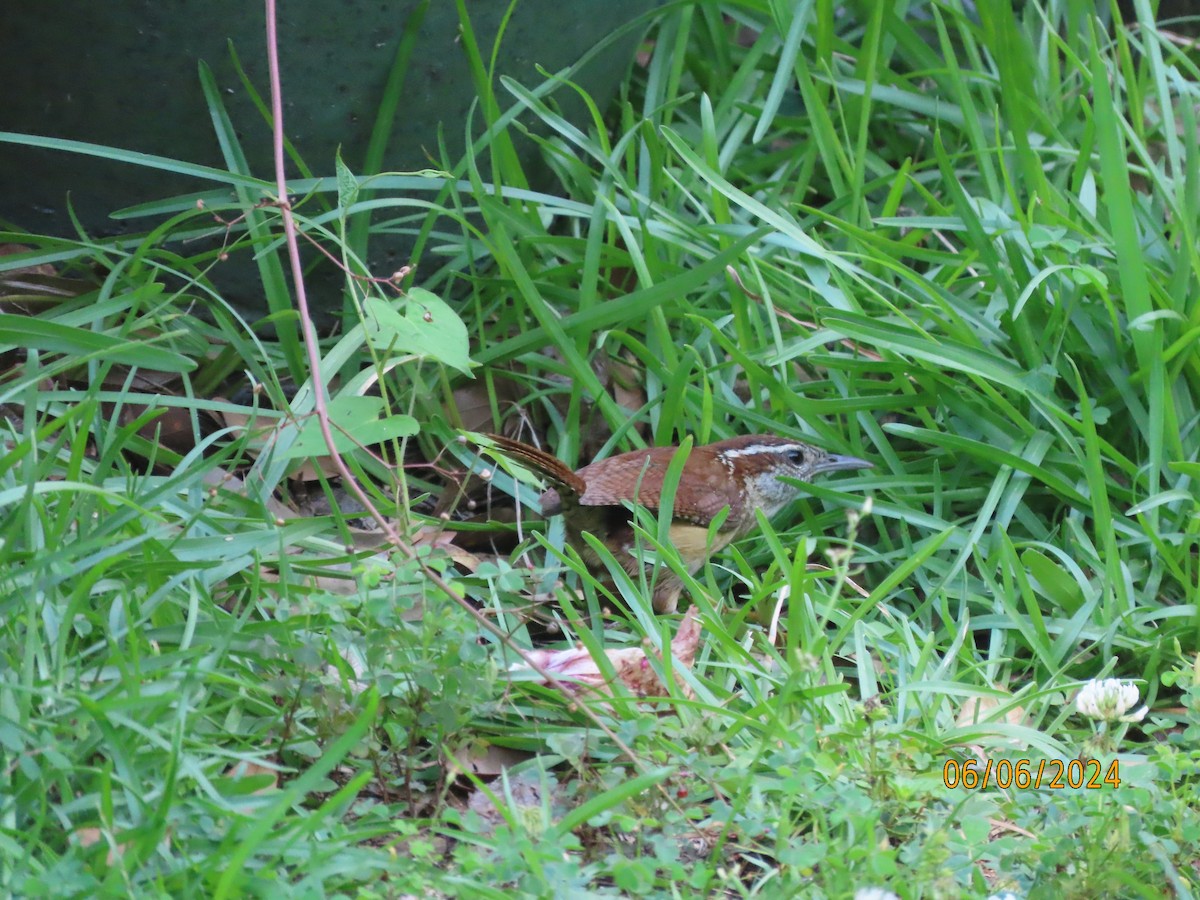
[{"x": 705, "y": 486}]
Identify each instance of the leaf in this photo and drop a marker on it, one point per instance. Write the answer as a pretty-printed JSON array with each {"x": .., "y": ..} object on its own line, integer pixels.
[
  {"x": 347, "y": 184},
  {"x": 940, "y": 353},
  {"x": 355, "y": 423},
  {"x": 54, "y": 337},
  {"x": 428, "y": 329},
  {"x": 1056, "y": 585}
]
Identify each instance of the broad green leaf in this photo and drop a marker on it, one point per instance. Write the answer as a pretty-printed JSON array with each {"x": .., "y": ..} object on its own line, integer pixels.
[
  {"x": 427, "y": 328},
  {"x": 355, "y": 423}
]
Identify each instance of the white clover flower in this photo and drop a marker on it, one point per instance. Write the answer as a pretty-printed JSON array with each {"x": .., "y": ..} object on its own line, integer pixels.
[
  {"x": 1110, "y": 699},
  {"x": 874, "y": 893}
]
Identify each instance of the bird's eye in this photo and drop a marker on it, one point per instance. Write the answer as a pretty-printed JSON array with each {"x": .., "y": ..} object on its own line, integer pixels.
[{"x": 796, "y": 457}]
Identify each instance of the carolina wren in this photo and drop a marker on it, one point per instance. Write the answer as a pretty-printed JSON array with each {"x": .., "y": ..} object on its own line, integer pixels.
[{"x": 740, "y": 473}]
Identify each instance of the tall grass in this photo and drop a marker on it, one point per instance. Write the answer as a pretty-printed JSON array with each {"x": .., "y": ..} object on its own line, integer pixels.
[{"x": 956, "y": 240}]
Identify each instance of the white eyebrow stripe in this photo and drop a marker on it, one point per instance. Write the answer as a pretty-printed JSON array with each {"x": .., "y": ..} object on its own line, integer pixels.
[{"x": 755, "y": 449}]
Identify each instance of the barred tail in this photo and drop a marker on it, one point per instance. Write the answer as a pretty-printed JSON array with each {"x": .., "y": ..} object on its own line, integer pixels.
[{"x": 550, "y": 467}]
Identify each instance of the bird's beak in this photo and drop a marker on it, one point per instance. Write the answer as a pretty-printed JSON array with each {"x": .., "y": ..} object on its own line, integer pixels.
[{"x": 840, "y": 464}]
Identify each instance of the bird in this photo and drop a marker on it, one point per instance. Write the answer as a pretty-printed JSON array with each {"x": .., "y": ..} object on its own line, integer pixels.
[{"x": 739, "y": 474}]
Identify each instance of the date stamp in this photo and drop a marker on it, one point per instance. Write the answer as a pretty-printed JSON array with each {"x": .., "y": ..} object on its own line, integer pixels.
[{"x": 1031, "y": 774}]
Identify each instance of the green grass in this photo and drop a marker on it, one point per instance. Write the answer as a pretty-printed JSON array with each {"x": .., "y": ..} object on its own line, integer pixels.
[{"x": 964, "y": 248}]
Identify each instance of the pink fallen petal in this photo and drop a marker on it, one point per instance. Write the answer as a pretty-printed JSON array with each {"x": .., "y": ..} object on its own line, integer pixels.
[{"x": 576, "y": 666}]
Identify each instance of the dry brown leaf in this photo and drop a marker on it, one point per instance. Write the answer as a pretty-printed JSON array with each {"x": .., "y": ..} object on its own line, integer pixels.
[
  {"x": 324, "y": 470},
  {"x": 258, "y": 426},
  {"x": 13, "y": 250},
  {"x": 443, "y": 541},
  {"x": 221, "y": 480},
  {"x": 527, "y": 795},
  {"x": 1004, "y": 826},
  {"x": 488, "y": 760},
  {"x": 246, "y": 769},
  {"x": 980, "y": 709},
  {"x": 86, "y": 837},
  {"x": 473, "y": 401}
]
